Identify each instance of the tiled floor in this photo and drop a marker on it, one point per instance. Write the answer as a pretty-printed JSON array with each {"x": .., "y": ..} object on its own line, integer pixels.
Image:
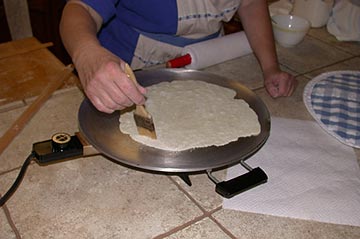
[{"x": 94, "y": 197}]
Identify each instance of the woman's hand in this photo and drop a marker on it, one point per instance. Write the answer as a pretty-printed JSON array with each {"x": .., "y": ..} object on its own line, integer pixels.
[
  {"x": 104, "y": 81},
  {"x": 279, "y": 83},
  {"x": 101, "y": 72}
]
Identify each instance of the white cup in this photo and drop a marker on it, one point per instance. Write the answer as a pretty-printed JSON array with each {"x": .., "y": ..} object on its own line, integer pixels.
[
  {"x": 315, "y": 11},
  {"x": 289, "y": 30}
]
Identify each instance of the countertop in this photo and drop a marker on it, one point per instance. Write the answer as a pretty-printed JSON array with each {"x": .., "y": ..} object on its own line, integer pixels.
[{"x": 93, "y": 197}]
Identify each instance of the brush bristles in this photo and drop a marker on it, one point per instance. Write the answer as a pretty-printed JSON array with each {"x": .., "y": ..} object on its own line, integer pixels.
[
  {"x": 145, "y": 126},
  {"x": 146, "y": 132}
]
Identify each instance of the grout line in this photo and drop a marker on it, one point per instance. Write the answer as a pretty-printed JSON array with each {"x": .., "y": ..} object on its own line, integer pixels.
[
  {"x": 330, "y": 65},
  {"x": 332, "y": 44},
  {"x": 188, "y": 195},
  {"x": 9, "y": 171},
  {"x": 196, "y": 219},
  {"x": 14, "y": 169},
  {"x": 207, "y": 214},
  {"x": 189, "y": 223},
  {"x": 181, "y": 227},
  {"x": 226, "y": 231},
  {"x": 352, "y": 56},
  {"x": 306, "y": 73},
  {"x": 10, "y": 221},
  {"x": 321, "y": 67}
]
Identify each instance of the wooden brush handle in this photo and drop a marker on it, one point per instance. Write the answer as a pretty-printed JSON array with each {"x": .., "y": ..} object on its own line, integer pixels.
[
  {"x": 140, "y": 109},
  {"x": 130, "y": 73}
]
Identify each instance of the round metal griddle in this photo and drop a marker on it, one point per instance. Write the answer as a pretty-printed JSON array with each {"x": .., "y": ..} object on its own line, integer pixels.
[{"x": 102, "y": 131}]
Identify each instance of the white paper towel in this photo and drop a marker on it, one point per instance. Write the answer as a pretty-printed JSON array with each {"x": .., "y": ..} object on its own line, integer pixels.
[
  {"x": 217, "y": 50},
  {"x": 312, "y": 176}
]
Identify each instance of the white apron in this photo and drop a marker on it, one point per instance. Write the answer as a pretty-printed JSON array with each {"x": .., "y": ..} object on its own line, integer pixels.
[{"x": 197, "y": 21}]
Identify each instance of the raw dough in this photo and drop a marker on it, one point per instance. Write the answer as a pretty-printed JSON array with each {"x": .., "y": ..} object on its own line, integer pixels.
[{"x": 193, "y": 114}]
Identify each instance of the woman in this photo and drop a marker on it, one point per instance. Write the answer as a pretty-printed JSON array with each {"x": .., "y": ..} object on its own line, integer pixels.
[{"x": 101, "y": 35}]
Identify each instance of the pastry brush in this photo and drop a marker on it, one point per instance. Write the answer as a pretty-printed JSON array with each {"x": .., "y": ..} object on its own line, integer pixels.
[{"x": 143, "y": 119}]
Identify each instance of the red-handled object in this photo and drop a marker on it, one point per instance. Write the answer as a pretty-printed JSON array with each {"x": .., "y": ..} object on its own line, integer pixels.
[{"x": 179, "y": 61}]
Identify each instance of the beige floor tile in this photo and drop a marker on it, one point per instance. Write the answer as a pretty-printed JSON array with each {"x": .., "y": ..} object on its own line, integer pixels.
[
  {"x": 322, "y": 34},
  {"x": 202, "y": 229},
  {"x": 248, "y": 225},
  {"x": 287, "y": 107},
  {"x": 203, "y": 189},
  {"x": 8, "y": 118},
  {"x": 309, "y": 55},
  {"x": 5, "y": 229},
  {"x": 245, "y": 70},
  {"x": 96, "y": 198},
  {"x": 58, "y": 114},
  {"x": 349, "y": 65},
  {"x": 60, "y": 92}
]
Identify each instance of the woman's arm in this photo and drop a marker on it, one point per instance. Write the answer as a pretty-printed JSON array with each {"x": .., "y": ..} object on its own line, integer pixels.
[
  {"x": 255, "y": 19},
  {"x": 79, "y": 26},
  {"x": 101, "y": 72}
]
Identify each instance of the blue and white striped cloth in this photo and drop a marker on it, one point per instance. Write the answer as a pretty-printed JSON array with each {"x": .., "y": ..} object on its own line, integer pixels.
[{"x": 333, "y": 99}]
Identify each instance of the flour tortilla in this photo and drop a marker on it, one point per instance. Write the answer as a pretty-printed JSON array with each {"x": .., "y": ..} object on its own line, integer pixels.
[{"x": 193, "y": 114}]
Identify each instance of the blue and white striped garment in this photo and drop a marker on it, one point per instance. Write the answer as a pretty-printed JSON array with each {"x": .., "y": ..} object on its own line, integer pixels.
[{"x": 333, "y": 99}]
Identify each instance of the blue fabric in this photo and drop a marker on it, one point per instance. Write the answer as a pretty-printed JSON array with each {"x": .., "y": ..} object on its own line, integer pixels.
[
  {"x": 335, "y": 99},
  {"x": 122, "y": 16},
  {"x": 106, "y": 9}
]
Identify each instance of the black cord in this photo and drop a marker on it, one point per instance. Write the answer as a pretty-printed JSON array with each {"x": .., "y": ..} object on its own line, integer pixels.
[{"x": 18, "y": 180}]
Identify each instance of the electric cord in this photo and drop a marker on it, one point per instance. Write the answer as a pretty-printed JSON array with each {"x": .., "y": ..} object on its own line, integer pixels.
[{"x": 18, "y": 180}]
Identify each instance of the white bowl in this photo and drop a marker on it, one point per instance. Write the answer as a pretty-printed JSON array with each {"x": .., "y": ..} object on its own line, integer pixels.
[{"x": 289, "y": 30}]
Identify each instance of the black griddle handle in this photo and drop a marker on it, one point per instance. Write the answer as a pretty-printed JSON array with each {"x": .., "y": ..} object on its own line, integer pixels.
[{"x": 241, "y": 183}]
